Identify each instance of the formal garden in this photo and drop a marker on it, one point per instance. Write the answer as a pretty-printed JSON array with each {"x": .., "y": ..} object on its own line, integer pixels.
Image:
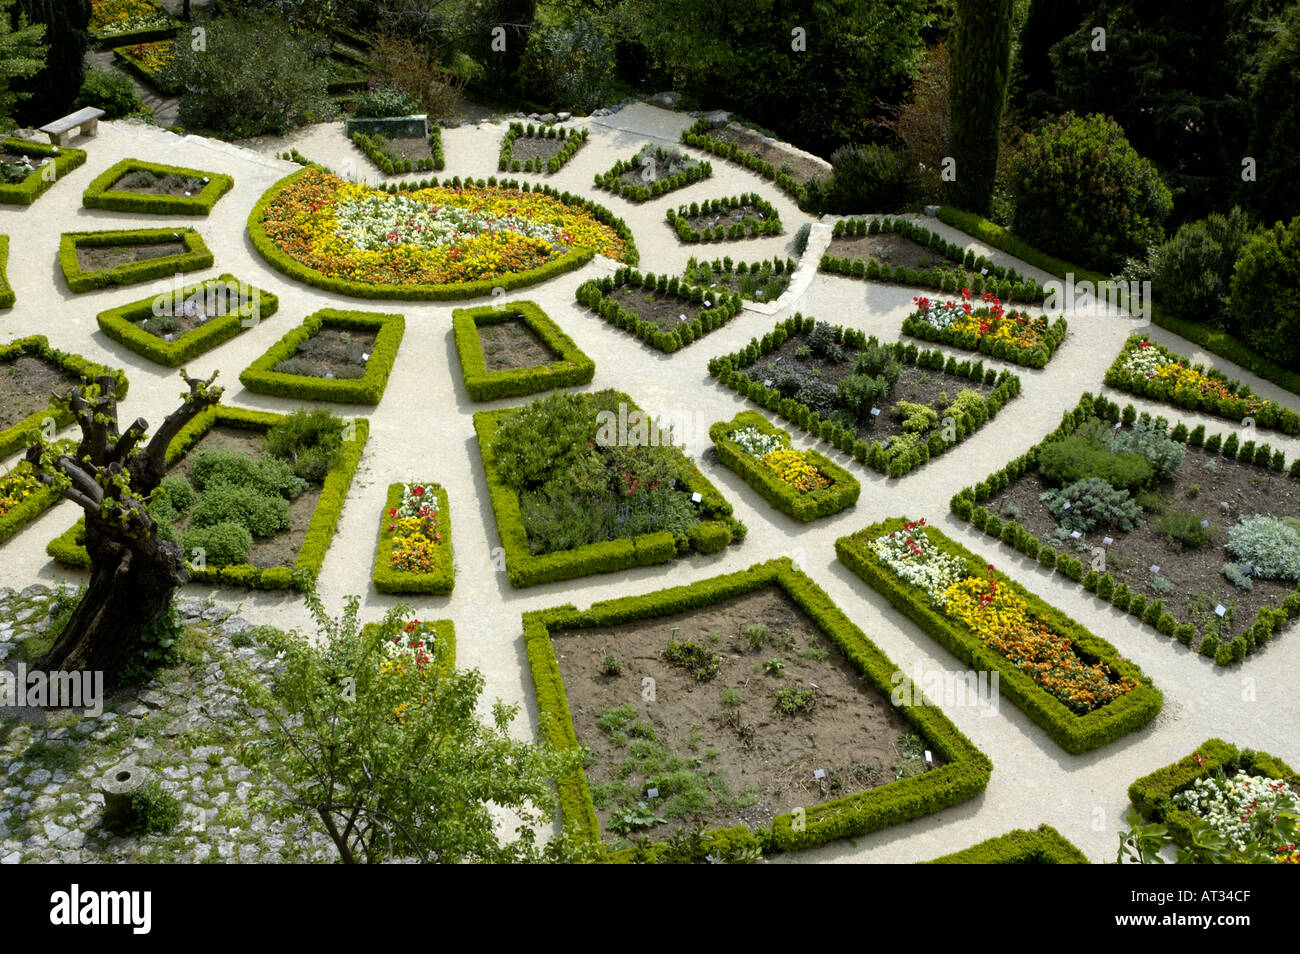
[{"x": 809, "y": 504}]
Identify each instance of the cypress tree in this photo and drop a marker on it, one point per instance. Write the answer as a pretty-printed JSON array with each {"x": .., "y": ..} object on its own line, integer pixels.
[
  {"x": 980, "y": 62},
  {"x": 67, "y": 34}
]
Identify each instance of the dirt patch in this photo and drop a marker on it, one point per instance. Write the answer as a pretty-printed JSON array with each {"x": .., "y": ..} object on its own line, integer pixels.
[
  {"x": 103, "y": 257},
  {"x": 412, "y": 147},
  {"x": 511, "y": 345},
  {"x": 190, "y": 313},
  {"x": 149, "y": 183},
  {"x": 714, "y": 220},
  {"x": 533, "y": 147},
  {"x": 799, "y": 168},
  {"x": 331, "y": 353},
  {"x": 25, "y": 387},
  {"x": 661, "y": 309},
  {"x": 1196, "y": 581},
  {"x": 721, "y": 752},
  {"x": 888, "y": 248},
  {"x": 16, "y": 168}
]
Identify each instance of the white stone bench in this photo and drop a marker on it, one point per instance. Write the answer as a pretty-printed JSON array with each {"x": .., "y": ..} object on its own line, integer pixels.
[{"x": 87, "y": 119}]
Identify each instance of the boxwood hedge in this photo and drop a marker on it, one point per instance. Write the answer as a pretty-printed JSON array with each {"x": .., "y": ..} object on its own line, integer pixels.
[
  {"x": 698, "y": 136},
  {"x": 571, "y": 366},
  {"x": 444, "y": 644},
  {"x": 573, "y": 140},
  {"x": 196, "y": 256},
  {"x": 595, "y": 294},
  {"x": 100, "y": 194},
  {"x": 1035, "y": 357},
  {"x": 7, "y": 297},
  {"x": 41, "y": 179},
  {"x": 612, "y": 179},
  {"x": 27, "y": 509},
  {"x": 1042, "y": 846},
  {"x": 747, "y": 227},
  {"x": 387, "y": 579}
]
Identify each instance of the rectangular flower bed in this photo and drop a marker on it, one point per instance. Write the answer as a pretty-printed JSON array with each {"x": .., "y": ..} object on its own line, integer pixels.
[
  {"x": 92, "y": 260},
  {"x": 389, "y": 158},
  {"x": 952, "y": 771},
  {"x": 147, "y": 61},
  {"x": 69, "y": 548},
  {"x": 125, "y": 187},
  {"x": 665, "y": 312},
  {"x": 612, "y": 447},
  {"x": 414, "y": 552},
  {"x": 568, "y": 365},
  {"x": 288, "y": 368},
  {"x": 652, "y": 172},
  {"x": 7, "y": 297},
  {"x": 30, "y": 184},
  {"x": 180, "y": 325},
  {"x": 423, "y": 641},
  {"x": 803, "y": 484},
  {"x": 539, "y": 148},
  {"x": 1042, "y": 846},
  {"x": 1072, "y": 683},
  {"x": 718, "y": 220},
  {"x": 1146, "y": 503},
  {"x": 1010, "y": 335},
  {"x": 848, "y": 389},
  {"x": 758, "y": 281}
]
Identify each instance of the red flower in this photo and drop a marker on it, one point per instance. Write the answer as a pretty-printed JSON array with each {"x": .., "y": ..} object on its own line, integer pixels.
[{"x": 392, "y": 511}]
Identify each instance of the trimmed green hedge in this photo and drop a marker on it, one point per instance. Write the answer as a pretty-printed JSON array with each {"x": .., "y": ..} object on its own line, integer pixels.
[
  {"x": 375, "y": 152},
  {"x": 196, "y": 256},
  {"x": 717, "y": 530},
  {"x": 121, "y": 323},
  {"x": 573, "y": 139},
  {"x": 133, "y": 64},
  {"x": 968, "y": 502},
  {"x": 1036, "y": 357},
  {"x": 261, "y": 376},
  {"x": 841, "y": 494},
  {"x": 1235, "y": 407},
  {"x": 612, "y": 180},
  {"x": 570, "y": 260},
  {"x": 698, "y": 136},
  {"x": 1211, "y": 339},
  {"x": 1042, "y": 846},
  {"x": 1074, "y": 733},
  {"x": 444, "y": 646},
  {"x": 1153, "y": 794},
  {"x": 390, "y": 580},
  {"x": 728, "y": 370},
  {"x": 69, "y": 547},
  {"x": 594, "y": 293},
  {"x": 570, "y": 367},
  {"x": 165, "y": 31},
  {"x": 963, "y": 776},
  {"x": 27, "y": 509},
  {"x": 7, "y": 296},
  {"x": 30, "y": 189},
  {"x": 20, "y": 434},
  {"x": 747, "y": 227},
  {"x": 100, "y": 194}
]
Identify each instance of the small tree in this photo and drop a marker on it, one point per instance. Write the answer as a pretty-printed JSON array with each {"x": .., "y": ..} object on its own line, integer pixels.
[
  {"x": 1265, "y": 296},
  {"x": 981, "y": 60},
  {"x": 22, "y": 55}
]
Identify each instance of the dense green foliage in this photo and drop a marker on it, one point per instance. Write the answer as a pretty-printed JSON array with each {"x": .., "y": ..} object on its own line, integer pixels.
[
  {"x": 1191, "y": 271},
  {"x": 1265, "y": 294},
  {"x": 49, "y": 93},
  {"x": 981, "y": 51}
]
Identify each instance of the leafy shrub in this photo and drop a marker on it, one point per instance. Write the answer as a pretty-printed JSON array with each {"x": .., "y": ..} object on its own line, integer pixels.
[
  {"x": 801, "y": 238},
  {"x": 153, "y": 811},
  {"x": 1265, "y": 295},
  {"x": 1092, "y": 502},
  {"x": 1192, "y": 271},
  {"x": 261, "y": 513},
  {"x": 611, "y": 665},
  {"x": 542, "y": 437},
  {"x": 224, "y": 543},
  {"x": 110, "y": 91},
  {"x": 1183, "y": 529},
  {"x": 1237, "y": 577},
  {"x": 859, "y": 393},
  {"x": 178, "y": 492},
  {"x": 569, "y": 66},
  {"x": 1269, "y": 546},
  {"x": 868, "y": 178},
  {"x": 1149, "y": 438},
  {"x": 1083, "y": 454},
  {"x": 694, "y": 658},
  {"x": 384, "y": 101},
  {"x": 211, "y": 466},
  {"x": 311, "y": 441}
]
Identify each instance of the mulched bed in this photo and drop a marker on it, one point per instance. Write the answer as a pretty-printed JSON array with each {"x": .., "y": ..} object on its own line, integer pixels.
[
  {"x": 727, "y": 217},
  {"x": 802, "y": 170},
  {"x": 512, "y": 345},
  {"x": 412, "y": 147},
  {"x": 331, "y": 352},
  {"x": 148, "y": 183},
  {"x": 534, "y": 147},
  {"x": 894, "y": 250},
  {"x": 756, "y": 761},
  {"x": 25, "y": 387},
  {"x": 664, "y": 310},
  {"x": 183, "y": 321},
  {"x": 100, "y": 258}
]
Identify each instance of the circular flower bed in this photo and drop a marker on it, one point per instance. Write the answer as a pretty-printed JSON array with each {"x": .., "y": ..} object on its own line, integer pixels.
[{"x": 448, "y": 241}]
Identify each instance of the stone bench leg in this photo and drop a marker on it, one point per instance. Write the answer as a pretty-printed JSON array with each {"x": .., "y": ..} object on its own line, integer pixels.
[
  {"x": 59, "y": 139},
  {"x": 90, "y": 128}
]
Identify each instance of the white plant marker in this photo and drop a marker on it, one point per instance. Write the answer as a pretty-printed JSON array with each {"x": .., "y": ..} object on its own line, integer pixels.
[
  {"x": 1220, "y": 609},
  {"x": 819, "y": 773}
]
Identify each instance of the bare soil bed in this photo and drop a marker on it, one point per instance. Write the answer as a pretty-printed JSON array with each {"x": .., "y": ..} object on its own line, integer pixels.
[
  {"x": 664, "y": 310},
  {"x": 331, "y": 353},
  {"x": 535, "y": 147},
  {"x": 412, "y": 147},
  {"x": 186, "y": 318},
  {"x": 512, "y": 345},
  {"x": 888, "y": 248},
  {"x": 724, "y": 218},
  {"x": 800, "y": 168},
  {"x": 25, "y": 387},
  {"x": 100, "y": 258},
  {"x": 149, "y": 183}
]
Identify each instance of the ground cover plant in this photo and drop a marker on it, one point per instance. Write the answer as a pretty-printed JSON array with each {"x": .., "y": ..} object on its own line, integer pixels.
[
  {"x": 28, "y": 168},
  {"x": 734, "y": 740},
  {"x": 1069, "y": 681},
  {"x": 91, "y": 260},
  {"x": 414, "y": 552},
  {"x": 1196, "y": 536},
  {"x": 514, "y": 349},
  {"x": 653, "y": 171},
  {"x": 134, "y": 185},
  {"x": 398, "y": 154},
  {"x": 541, "y": 148},
  {"x": 663, "y": 311},
  {"x": 757, "y": 281},
  {"x": 891, "y": 406},
  {"x": 717, "y": 220},
  {"x": 7, "y": 297},
  {"x": 1011, "y": 335},
  {"x": 586, "y": 483}
]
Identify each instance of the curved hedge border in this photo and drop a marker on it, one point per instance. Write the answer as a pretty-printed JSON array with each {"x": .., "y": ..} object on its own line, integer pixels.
[
  {"x": 389, "y": 580},
  {"x": 120, "y": 323},
  {"x": 592, "y": 293},
  {"x": 570, "y": 260},
  {"x": 69, "y": 549},
  {"x": 841, "y": 494},
  {"x": 1074, "y": 733},
  {"x": 19, "y": 435},
  {"x": 612, "y": 181},
  {"x": 697, "y": 136},
  {"x": 196, "y": 256},
  {"x": 963, "y": 776},
  {"x": 375, "y": 153},
  {"x": 29, "y": 509},
  {"x": 1153, "y": 794},
  {"x": 1211, "y": 339},
  {"x": 967, "y": 504},
  {"x": 523, "y": 568},
  {"x": 100, "y": 195},
  {"x": 747, "y": 227},
  {"x": 1042, "y": 846},
  {"x": 1234, "y": 408},
  {"x": 570, "y": 367},
  {"x": 261, "y": 376},
  {"x": 727, "y": 369},
  {"x": 7, "y": 296},
  {"x": 1036, "y": 357},
  {"x": 1004, "y": 282},
  {"x": 30, "y": 189},
  {"x": 572, "y": 138}
]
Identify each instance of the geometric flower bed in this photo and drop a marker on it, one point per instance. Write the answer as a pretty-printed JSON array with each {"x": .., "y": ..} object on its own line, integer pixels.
[
  {"x": 23, "y": 181},
  {"x": 1069, "y": 681},
  {"x": 1178, "y": 530},
  {"x": 803, "y": 484},
  {"x": 665, "y": 312},
  {"x": 698, "y": 136},
  {"x": 548, "y": 147},
  {"x": 562, "y": 362},
  {"x": 1009, "y": 335},
  {"x": 92, "y": 260},
  {"x": 147, "y": 61},
  {"x": 134, "y": 185},
  {"x": 1042, "y": 846},
  {"x": 414, "y": 552},
  {"x": 229, "y": 504},
  {"x": 23, "y": 411},
  {"x": 717, "y": 220},
  {"x": 1232, "y": 789},
  {"x": 781, "y": 616},
  {"x": 652, "y": 172},
  {"x": 918, "y": 251},
  {"x": 7, "y": 297},
  {"x": 381, "y": 150},
  {"x": 422, "y": 641},
  {"x": 757, "y": 281},
  {"x": 584, "y": 483},
  {"x": 1151, "y": 370},
  {"x": 116, "y": 22},
  {"x": 437, "y": 242},
  {"x": 180, "y": 325},
  {"x": 851, "y": 391},
  {"x": 23, "y": 497},
  {"x": 321, "y": 360}
]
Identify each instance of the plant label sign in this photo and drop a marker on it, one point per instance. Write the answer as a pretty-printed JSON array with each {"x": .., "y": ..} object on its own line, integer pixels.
[
  {"x": 1205, "y": 525},
  {"x": 1220, "y": 609},
  {"x": 1075, "y": 534},
  {"x": 929, "y": 759},
  {"x": 696, "y": 497},
  {"x": 1066, "y": 505},
  {"x": 819, "y": 773},
  {"x": 1154, "y": 568},
  {"x": 767, "y": 382},
  {"x": 875, "y": 412},
  {"x": 1107, "y": 541},
  {"x": 652, "y": 793}
]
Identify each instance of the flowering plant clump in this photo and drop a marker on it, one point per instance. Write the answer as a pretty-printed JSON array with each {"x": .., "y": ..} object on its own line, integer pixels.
[
  {"x": 1232, "y": 805},
  {"x": 153, "y": 56},
  {"x": 1145, "y": 359},
  {"x": 415, "y": 526},
  {"x": 755, "y": 442},
  {"x": 16, "y": 486},
  {"x": 794, "y": 467},
  {"x": 911, "y": 555},
  {"x": 435, "y": 236},
  {"x": 108, "y": 17},
  {"x": 414, "y": 646},
  {"x": 990, "y": 320}
]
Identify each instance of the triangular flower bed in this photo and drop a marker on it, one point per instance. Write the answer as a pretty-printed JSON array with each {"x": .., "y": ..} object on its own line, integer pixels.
[
  {"x": 134, "y": 185},
  {"x": 720, "y": 220},
  {"x": 521, "y": 327},
  {"x": 663, "y": 311},
  {"x": 93, "y": 260},
  {"x": 652, "y": 172}
]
